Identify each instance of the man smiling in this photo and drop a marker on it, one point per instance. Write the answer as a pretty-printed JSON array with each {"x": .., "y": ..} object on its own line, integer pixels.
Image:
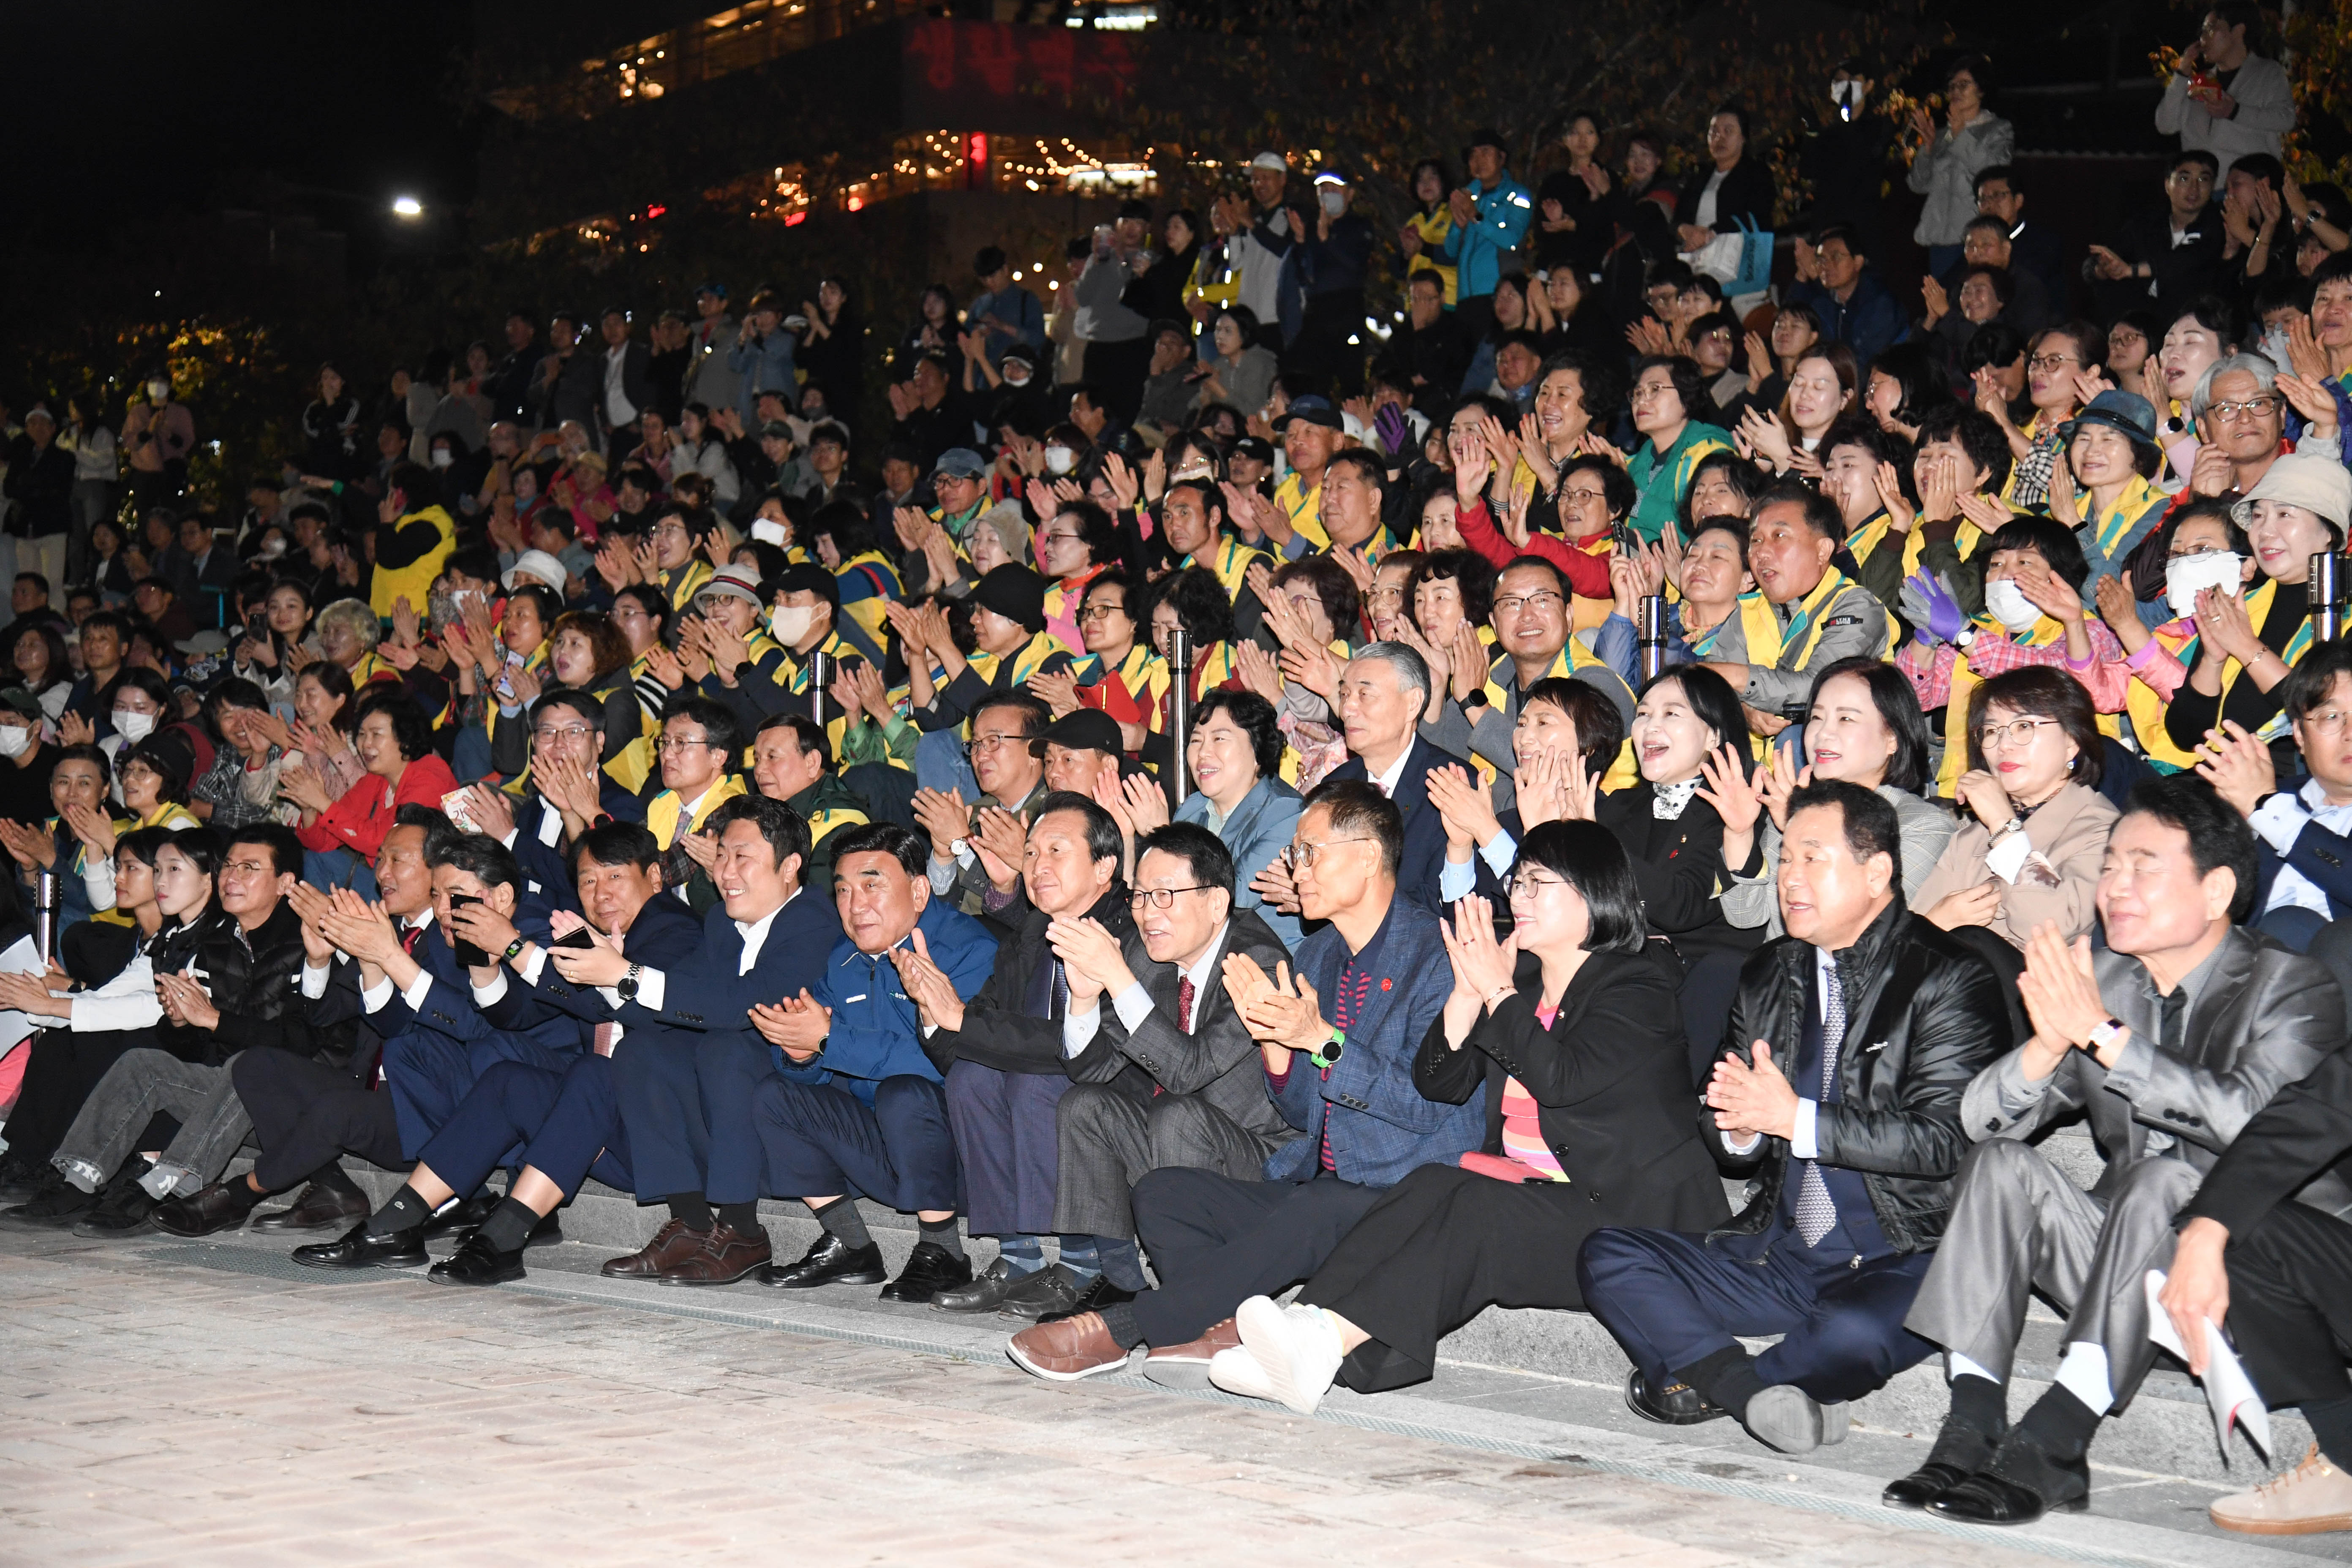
[{"x": 1810, "y": 614}]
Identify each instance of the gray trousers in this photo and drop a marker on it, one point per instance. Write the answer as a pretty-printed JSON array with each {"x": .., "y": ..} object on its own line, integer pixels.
[
  {"x": 2019, "y": 1226},
  {"x": 1109, "y": 1143},
  {"x": 203, "y": 1099}
]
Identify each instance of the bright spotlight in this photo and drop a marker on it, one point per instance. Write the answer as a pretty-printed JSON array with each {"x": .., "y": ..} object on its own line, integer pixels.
[{"x": 408, "y": 207}]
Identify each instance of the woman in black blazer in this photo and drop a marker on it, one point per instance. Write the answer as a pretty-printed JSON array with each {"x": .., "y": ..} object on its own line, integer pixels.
[
  {"x": 1745, "y": 187},
  {"x": 1570, "y": 1028}
]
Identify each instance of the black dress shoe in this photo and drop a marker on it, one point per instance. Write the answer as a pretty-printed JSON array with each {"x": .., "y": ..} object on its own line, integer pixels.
[
  {"x": 1049, "y": 1292},
  {"x": 1960, "y": 1452},
  {"x": 1677, "y": 1404},
  {"x": 476, "y": 1262},
  {"x": 463, "y": 1214},
  {"x": 930, "y": 1268},
  {"x": 831, "y": 1261},
  {"x": 1099, "y": 1293},
  {"x": 984, "y": 1294},
  {"x": 318, "y": 1207},
  {"x": 547, "y": 1232},
  {"x": 2023, "y": 1482},
  {"x": 358, "y": 1249},
  {"x": 123, "y": 1209},
  {"x": 221, "y": 1207}
]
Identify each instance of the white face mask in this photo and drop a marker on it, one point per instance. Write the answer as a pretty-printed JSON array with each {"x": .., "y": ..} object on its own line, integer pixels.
[
  {"x": 791, "y": 622},
  {"x": 1060, "y": 459},
  {"x": 14, "y": 739},
  {"x": 158, "y": 391},
  {"x": 1016, "y": 374},
  {"x": 2190, "y": 575},
  {"x": 2010, "y": 606},
  {"x": 1335, "y": 202},
  {"x": 443, "y": 457},
  {"x": 133, "y": 727},
  {"x": 271, "y": 549}
]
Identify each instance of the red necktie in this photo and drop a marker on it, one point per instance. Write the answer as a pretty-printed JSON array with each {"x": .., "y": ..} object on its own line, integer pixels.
[{"x": 1184, "y": 1003}]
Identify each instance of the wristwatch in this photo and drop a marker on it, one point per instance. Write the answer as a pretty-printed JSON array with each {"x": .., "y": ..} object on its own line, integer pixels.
[
  {"x": 514, "y": 947},
  {"x": 628, "y": 986},
  {"x": 1331, "y": 1049},
  {"x": 2114, "y": 1032}
]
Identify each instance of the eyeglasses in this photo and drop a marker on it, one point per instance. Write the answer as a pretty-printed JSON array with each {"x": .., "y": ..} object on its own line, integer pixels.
[
  {"x": 2051, "y": 361},
  {"x": 1512, "y": 604},
  {"x": 991, "y": 741},
  {"x": 1160, "y": 898},
  {"x": 2188, "y": 177},
  {"x": 2016, "y": 733},
  {"x": 669, "y": 529},
  {"x": 1386, "y": 596},
  {"x": 2327, "y": 722},
  {"x": 1305, "y": 853},
  {"x": 1647, "y": 390},
  {"x": 668, "y": 743},
  {"x": 1584, "y": 497},
  {"x": 1526, "y": 887},
  {"x": 247, "y": 867},
  {"x": 1101, "y": 612},
  {"x": 548, "y": 732},
  {"x": 2252, "y": 408}
]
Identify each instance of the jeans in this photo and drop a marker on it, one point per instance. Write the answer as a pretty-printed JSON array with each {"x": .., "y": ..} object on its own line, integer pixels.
[
  {"x": 940, "y": 764},
  {"x": 212, "y": 1122}
]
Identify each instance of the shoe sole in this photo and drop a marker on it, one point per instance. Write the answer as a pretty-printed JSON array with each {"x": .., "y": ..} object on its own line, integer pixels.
[
  {"x": 440, "y": 1279},
  {"x": 868, "y": 1277},
  {"x": 387, "y": 1264},
  {"x": 1188, "y": 1376},
  {"x": 2072, "y": 1505},
  {"x": 729, "y": 1280},
  {"x": 1788, "y": 1425},
  {"x": 1013, "y": 1352},
  {"x": 2324, "y": 1525},
  {"x": 1266, "y": 1316},
  {"x": 280, "y": 1222},
  {"x": 89, "y": 1232}
]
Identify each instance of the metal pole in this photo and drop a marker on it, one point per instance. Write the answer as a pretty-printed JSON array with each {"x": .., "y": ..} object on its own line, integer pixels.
[
  {"x": 1180, "y": 714},
  {"x": 46, "y": 896},
  {"x": 820, "y": 669},
  {"x": 1649, "y": 634},
  {"x": 2327, "y": 590}
]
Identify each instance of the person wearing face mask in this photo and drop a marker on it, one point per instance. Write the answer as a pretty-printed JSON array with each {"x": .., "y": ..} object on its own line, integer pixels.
[
  {"x": 137, "y": 705},
  {"x": 2205, "y": 549},
  {"x": 25, "y": 782},
  {"x": 1335, "y": 250},
  {"x": 157, "y": 436}
]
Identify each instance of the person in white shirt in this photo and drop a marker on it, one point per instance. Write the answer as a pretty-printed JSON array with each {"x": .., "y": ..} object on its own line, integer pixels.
[{"x": 2224, "y": 99}]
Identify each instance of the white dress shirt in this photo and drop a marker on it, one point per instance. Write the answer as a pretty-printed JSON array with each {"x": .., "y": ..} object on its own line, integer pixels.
[
  {"x": 1801, "y": 1140},
  {"x": 617, "y": 407},
  {"x": 1133, "y": 1004},
  {"x": 2280, "y": 820}
]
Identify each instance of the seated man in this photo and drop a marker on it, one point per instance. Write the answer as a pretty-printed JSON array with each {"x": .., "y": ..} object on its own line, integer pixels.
[
  {"x": 975, "y": 845},
  {"x": 1881, "y": 1021},
  {"x": 2167, "y": 1044},
  {"x": 1216, "y": 1241},
  {"x": 1002, "y": 1053},
  {"x": 567, "y": 1123},
  {"x": 699, "y": 745},
  {"x": 791, "y": 760},
  {"x": 858, "y": 1107},
  {"x": 1384, "y": 691},
  {"x": 566, "y": 793},
  {"x": 693, "y": 1060}
]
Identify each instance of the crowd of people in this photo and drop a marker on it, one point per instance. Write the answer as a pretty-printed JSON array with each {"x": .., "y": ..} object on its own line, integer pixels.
[{"x": 1642, "y": 728}]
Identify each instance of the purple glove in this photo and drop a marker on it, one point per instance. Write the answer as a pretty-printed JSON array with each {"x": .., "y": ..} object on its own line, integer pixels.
[
  {"x": 1945, "y": 618},
  {"x": 1390, "y": 425}
]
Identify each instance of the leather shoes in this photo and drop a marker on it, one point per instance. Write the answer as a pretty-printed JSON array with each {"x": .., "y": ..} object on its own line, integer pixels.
[
  {"x": 463, "y": 1214},
  {"x": 1049, "y": 1292},
  {"x": 931, "y": 1268},
  {"x": 1098, "y": 1293},
  {"x": 357, "y": 1250},
  {"x": 224, "y": 1205},
  {"x": 1960, "y": 1452},
  {"x": 2022, "y": 1481},
  {"x": 1677, "y": 1404},
  {"x": 831, "y": 1261},
  {"x": 547, "y": 1232},
  {"x": 1067, "y": 1351},
  {"x": 671, "y": 1244},
  {"x": 727, "y": 1256},
  {"x": 984, "y": 1294},
  {"x": 1187, "y": 1366},
  {"x": 476, "y": 1262},
  {"x": 58, "y": 1203},
  {"x": 318, "y": 1207}
]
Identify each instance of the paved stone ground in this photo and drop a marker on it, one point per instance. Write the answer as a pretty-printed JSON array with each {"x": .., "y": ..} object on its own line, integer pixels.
[{"x": 153, "y": 1412}]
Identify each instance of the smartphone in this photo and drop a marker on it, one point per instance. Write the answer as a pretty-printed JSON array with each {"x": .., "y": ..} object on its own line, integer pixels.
[
  {"x": 577, "y": 937},
  {"x": 468, "y": 956}
]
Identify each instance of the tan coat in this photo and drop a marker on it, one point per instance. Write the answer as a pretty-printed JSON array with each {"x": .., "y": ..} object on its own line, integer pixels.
[{"x": 2071, "y": 832}]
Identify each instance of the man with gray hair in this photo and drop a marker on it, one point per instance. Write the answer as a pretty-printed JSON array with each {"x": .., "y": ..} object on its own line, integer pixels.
[{"x": 2240, "y": 418}]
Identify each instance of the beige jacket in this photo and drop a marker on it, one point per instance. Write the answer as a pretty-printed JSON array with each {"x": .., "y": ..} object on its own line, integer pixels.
[{"x": 2070, "y": 831}]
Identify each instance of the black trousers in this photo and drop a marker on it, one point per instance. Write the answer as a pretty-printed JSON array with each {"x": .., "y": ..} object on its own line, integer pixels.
[
  {"x": 2291, "y": 1305},
  {"x": 62, "y": 1069},
  {"x": 1438, "y": 1248},
  {"x": 308, "y": 1114},
  {"x": 1215, "y": 1242}
]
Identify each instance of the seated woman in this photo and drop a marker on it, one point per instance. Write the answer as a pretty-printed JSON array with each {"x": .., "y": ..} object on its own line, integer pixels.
[
  {"x": 1195, "y": 601},
  {"x": 585, "y": 652},
  {"x": 1236, "y": 754},
  {"x": 1565, "y": 728},
  {"x": 69, "y": 841},
  {"x": 41, "y": 668},
  {"x": 2033, "y": 833},
  {"x": 2205, "y": 549},
  {"x": 1121, "y": 674},
  {"x": 340, "y": 836},
  {"x": 154, "y": 794},
  {"x": 1571, "y": 1029}
]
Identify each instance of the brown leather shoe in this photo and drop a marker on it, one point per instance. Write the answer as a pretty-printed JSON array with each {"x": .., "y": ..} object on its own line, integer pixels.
[
  {"x": 316, "y": 1209},
  {"x": 1187, "y": 1366},
  {"x": 726, "y": 1256},
  {"x": 1068, "y": 1350},
  {"x": 671, "y": 1245}
]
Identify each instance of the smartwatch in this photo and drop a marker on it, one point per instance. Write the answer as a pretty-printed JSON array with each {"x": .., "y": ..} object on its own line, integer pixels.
[
  {"x": 1332, "y": 1050},
  {"x": 627, "y": 988},
  {"x": 514, "y": 947},
  {"x": 2114, "y": 1032}
]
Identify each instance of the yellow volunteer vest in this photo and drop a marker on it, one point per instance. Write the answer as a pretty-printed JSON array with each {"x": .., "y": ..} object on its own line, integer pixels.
[
  {"x": 662, "y": 814},
  {"x": 1304, "y": 510},
  {"x": 414, "y": 581}
]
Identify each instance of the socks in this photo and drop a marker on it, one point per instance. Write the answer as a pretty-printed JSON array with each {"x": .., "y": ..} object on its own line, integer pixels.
[
  {"x": 403, "y": 1211},
  {"x": 691, "y": 1210},
  {"x": 1979, "y": 1402},
  {"x": 2062, "y": 1423},
  {"x": 1727, "y": 1377},
  {"x": 508, "y": 1227},
  {"x": 741, "y": 1218},
  {"x": 2331, "y": 1423},
  {"x": 2083, "y": 1373},
  {"x": 334, "y": 1178},
  {"x": 1081, "y": 1257},
  {"x": 1120, "y": 1323},
  {"x": 1122, "y": 1265},
  {"x": 844, "y": 1223},
  {"x": 942, "y": 1235},
  {"x": 1023, "y": 1254}
]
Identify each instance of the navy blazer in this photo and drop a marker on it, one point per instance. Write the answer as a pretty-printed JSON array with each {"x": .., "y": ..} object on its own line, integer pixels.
[
  {"x": 1381, "y": 1127},
  {"x": 664, "y": 935},
  {"x": 449, "y": 1006},
  {"x": 544, "y": 868},
  {"x": 2322, "y": 858},
  {"x": 705, "y": 995},
  {"x": 1424, "y": 829}
]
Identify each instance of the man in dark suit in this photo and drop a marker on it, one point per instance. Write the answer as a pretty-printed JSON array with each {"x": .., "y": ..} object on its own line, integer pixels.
[
  {"x": 691, "y": 1061},
  {"x": 1881, "y": 1021},
  {"x": 567, "y": 1125},
  {"x": 2168, "y": 1043},
  {"x": 1385, "y": 692},
  {"x": 1003, "y": 1058},
  {"x": 2168, "y": 258},
  {"x": 626, "y": 389},
  {"x": 1337, "y": 1044}
]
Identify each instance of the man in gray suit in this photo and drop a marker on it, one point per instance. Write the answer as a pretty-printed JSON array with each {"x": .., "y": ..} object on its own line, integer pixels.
[
  {"x": 1164, "y": 1071},
  {"x": 2168, "y": 1044}
]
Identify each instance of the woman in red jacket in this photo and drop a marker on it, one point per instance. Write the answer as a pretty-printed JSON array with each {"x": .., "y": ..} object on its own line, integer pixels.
[{"x": 340, "y": 838}]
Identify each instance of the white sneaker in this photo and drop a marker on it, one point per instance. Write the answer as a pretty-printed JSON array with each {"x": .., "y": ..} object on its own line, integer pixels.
[
  {"x": 1296, "y": 1346},
  {"x": 1237, "y": 1372},
  {"x": 2309, "y": 1499}
]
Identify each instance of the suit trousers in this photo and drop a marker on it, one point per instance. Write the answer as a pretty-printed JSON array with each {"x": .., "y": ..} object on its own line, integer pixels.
[
  {"x": 1110, "y": 1143},
  {"x": 1672, "y": 1299},
  {"x": 568, "y": 1125},
  {"x": 1004, "y": 1134},
  {"x": 1438, "y": 1248},
  {"x": 687, "y": 1104},
  {"x": 2019, "y": 1225},
  {"x": 306, "y": 1114},
  {"x": 136, "y": 1089},
  {"x": 61, "y": 1069},
  {"x": 2291, "y": 1305},
  {"x": 427, "y": 1073},
  {"x": 1215, "y": 1241},
  {"x": 822, "y": 1140}
]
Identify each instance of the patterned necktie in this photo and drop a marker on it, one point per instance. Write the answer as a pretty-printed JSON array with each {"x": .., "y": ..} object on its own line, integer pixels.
[
  {"x": 1816, "y": 1214},
  {"x": 1184, "y": 1003}
]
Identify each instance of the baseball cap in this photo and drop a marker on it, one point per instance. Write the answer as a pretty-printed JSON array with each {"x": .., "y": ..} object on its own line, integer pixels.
[
  {"x": 732, "y": 583},
  {"x": 1253, "y": 447},
  {"x": 1314, "y": 410},
  {"x": 716, "y": 291},
  {"x": 1273, "y": 161},
  {"x": 962, "y": 462},
  {"x": 1081, "y": 729},
  {"x": 1328, "y": 175},
  {"x": 22, "y": 701},
  {"x": 777, "y": 428}
]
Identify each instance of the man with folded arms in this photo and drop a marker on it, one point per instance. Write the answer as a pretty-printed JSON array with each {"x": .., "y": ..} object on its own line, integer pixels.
[
  {"x": 2168, "y": 1043},
  {"x": 687, "y": 1082},
  {"x": 858, "y": 1108},
  {"x": 1002, "y": 1052},
  {"x": 1336, "y": 1046}
]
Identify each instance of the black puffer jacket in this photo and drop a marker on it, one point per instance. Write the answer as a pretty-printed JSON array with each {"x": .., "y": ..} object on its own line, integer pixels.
[
  {"x": 254, "y": 978},
  {"x": 1924, "y": 1016}
]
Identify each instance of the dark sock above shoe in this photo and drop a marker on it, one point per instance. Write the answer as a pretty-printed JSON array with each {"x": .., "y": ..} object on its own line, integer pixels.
[
  {"x": 741, "y": 1218},
  {"x": 507, "y": 1226},
  {"x": 335, "y": 1179},
  {"x": 1981, "y": 1404},
  {"x": 943, "y": 1235},
  {"x": 691, "y": 1210},
  {"x": 844, "y": 1223},
  {"x": 1118, "y": 1322},
  {"x": 1727, "y": 1378},
  {"x": 405, "y": 1210},
  {"x": 2061, "y": 1423}
]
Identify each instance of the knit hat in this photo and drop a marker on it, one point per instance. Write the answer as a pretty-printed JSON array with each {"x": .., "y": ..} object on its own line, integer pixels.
[{"x": 1016, "y": 593}]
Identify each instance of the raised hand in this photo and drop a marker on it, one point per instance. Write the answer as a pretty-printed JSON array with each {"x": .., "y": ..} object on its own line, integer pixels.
[
  {"x": 1145, "y": 804},
  {"x": 934, "y": 994},
  {"x": 1467, "y": 808}
]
